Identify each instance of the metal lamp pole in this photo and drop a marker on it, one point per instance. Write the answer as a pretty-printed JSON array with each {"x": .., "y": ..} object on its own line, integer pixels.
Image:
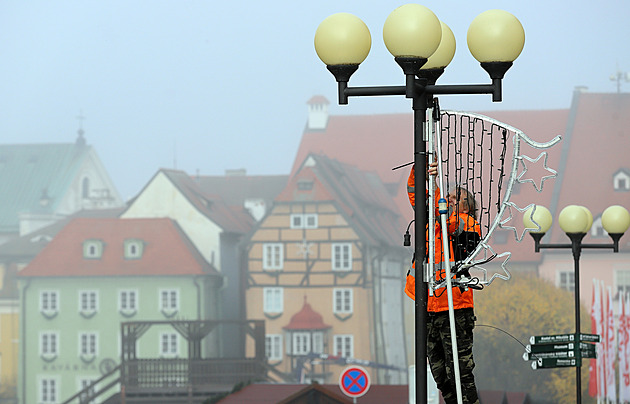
[
  {"x": 576, "y": 221},
  {"x": 342, "y": 42}
]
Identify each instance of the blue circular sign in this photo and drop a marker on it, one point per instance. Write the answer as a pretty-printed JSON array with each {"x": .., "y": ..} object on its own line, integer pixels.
[{"x": 354, "y": 381}]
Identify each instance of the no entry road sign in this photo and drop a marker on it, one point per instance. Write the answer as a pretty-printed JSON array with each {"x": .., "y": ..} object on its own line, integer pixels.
[{"x": 354, "y": 381}]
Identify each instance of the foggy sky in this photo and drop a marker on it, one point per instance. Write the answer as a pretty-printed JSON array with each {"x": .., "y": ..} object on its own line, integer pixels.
[{"x": 205, "y": 86}]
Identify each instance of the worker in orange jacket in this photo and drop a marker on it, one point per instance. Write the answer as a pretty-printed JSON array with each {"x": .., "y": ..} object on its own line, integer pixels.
[{"x": 465, "y": 233}]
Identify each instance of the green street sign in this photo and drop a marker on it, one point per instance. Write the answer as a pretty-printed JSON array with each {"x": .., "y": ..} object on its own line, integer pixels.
[
  {"x": 562, "y": 338},
  {"x": 559, "y": 347},
  {"x": 544, "y": 363},
  {"x": 528, "y": 356},
  {"x": 590, "y": 338}
]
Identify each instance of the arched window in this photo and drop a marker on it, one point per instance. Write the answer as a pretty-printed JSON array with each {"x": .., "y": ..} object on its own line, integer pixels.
[{"x": 85, "y": 188}]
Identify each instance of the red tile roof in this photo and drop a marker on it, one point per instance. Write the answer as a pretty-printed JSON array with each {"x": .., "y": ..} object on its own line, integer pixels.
[
  {"x": 596, "y": 125},
  {"x": 232, "y": 219},
  {"x": 307, "y": 319},
  {"x": 274, "y": 393},
  {"x": 236, "y": 189},
  {"x": 167, "y": 250},
  {"x": 597, "y": 146}
]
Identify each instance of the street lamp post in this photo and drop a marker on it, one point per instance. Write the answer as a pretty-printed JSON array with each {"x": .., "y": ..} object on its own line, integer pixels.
[
  {"x": 576, "y": 221},
  {"x": 422, "y": 46}
]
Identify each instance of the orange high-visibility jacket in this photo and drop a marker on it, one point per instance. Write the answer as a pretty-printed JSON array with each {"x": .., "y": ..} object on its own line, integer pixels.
[{"x": 455, "y": 224}]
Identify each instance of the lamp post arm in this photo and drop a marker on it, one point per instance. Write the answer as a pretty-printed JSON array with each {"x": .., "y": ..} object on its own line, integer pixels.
[
  {"x": 374, "y": 91},
  {"x": 460, "y": 89},
  {"x": 434, "y": 89}
]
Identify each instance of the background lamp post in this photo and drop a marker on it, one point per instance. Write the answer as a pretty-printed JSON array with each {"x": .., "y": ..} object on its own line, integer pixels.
[
  {"x": 576, "y": 221},
  {"x": 423, "y": 47}
]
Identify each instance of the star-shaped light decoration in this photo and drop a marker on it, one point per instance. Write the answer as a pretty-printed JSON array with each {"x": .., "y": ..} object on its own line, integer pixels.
[
  {"x": 552, "y": 173},
  {"x": 521, "y": 229},
  {"x": 304, "y": 248},
  {"x": 479, "y": 274},
  {"x": 489, "y": 251}
]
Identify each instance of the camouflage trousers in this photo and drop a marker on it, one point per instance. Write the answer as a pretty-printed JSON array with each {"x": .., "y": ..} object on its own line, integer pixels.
[{"x": 440, "y": 354}]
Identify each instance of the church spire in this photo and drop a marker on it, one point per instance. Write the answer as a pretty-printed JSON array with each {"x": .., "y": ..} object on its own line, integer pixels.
[{"x": 80, "y": 139}]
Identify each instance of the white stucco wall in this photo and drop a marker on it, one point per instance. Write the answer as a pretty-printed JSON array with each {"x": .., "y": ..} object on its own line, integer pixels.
[{"x": 161, "y": 198}]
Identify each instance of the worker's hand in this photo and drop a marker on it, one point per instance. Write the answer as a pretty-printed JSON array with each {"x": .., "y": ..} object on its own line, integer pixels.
[{"x": 433, "y": 170}]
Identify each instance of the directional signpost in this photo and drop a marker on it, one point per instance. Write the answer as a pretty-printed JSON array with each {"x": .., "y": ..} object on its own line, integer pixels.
[
  {"x": 354, "y": 382},
  {"x": 555, "y": 351}
]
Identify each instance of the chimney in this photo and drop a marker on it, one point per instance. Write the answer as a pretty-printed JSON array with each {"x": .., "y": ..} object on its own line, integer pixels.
[
  {"x": 237, "y": 172},
  {"x": 317, "y": 113}
]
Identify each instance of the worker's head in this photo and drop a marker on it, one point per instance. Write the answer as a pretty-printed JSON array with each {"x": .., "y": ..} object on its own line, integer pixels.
[{"x": 462, "y": 201}]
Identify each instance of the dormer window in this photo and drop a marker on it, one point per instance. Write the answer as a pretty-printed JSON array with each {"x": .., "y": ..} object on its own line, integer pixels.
[
  {"x": 597, "y": 230},
  {"x": 133, "y": 249},
  {"x": 621, "y": 181},
  {"x": 305, "y": 185},
  {"x": 92, "y": 249}
]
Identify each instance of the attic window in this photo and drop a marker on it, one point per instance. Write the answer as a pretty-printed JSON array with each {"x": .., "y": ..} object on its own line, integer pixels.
[
  {"x": 621, "y": 181},
  {"x": 304, "y": 221},
  {"x": 92, "y": 249},
  {"x": 305, "y": 185},
  {"x": 133, "y": 249},
  {"x": 597, "y": 230}
]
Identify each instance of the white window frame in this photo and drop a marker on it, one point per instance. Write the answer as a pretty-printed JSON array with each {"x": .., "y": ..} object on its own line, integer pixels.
[
  {"x": 169, "y": 308},
  {"x": 565, "y": 279},
  {"x": 597, "y": 230},
  {"x": 273, "y": 300},
  {"x": 311, "y": 220},
  {"x": 621, "y": 181},
  {"x": 343, "y": 302},
  {"x": 85, "y": 381},
  {"x": 343, "y": 345},
  {"x": 128, "y": 311},
  {"x": 171, "y": 339},
  {"x": 49, "y": 302},
  {"x": 49, "y": 345},
  {"x": 317, "y": 342},
  {"x": 48, "y": 389},
  {"x": 273, "y": 256},
  {"x": 303, "y": 220},
  {"x": 338, "y": 259},
  {"x": 301, "y": 343},
  {"x": 90, "y": 298},
  {"x": 296, "y": 221},
  {"x": 273, "y": 347},
  {"x": 133, "y": 249},
  {"x": 88, "y": 344},
  {"x": 93, "y": 249}
]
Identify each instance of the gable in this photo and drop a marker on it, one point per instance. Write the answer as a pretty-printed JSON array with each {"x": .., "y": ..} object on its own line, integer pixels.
[
  {"x": 161, "y": 198},
  {"x": 28, "y": 172},
  {"x": 45, "y": 180}
]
